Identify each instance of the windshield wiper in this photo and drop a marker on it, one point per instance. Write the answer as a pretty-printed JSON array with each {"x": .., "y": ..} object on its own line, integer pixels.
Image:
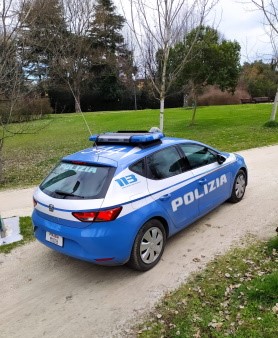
[{"x": 64, "y": 193}]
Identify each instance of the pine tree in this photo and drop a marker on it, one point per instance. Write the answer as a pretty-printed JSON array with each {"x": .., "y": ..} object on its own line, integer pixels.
[
  {"x": 113, "y": 60},
  {"x": 106, "y": 28},
  {"x": 41, "y": 33}
]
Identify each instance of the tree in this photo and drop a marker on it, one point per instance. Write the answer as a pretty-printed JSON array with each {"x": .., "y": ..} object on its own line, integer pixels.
[
  {"x": 73, "y": 57},
  {"x": 55, "y": 44},
  {"x": 260, "y": 79},
  {"x": 269, "y": 8},
  {"x": 11, "y": 74},
  {"x": 42, "y": 30},
  {"x": 213, "y": 61},
  {"x": 113, "y": 61},
  {"x": 17, "y": 93},
  {"x": 157, "y": 28},
  {"x": 106, "y": 27}
]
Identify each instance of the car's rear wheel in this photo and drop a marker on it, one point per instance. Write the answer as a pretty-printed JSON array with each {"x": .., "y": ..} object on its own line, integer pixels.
[
  {"x": 238, "y": 187},
  {"x": 148, "y": 246}
]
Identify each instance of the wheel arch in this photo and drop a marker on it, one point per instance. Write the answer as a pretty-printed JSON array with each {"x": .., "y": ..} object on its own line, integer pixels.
[
  {"x": 163, "y": 222},
  {"x": 246, "y": 173}
]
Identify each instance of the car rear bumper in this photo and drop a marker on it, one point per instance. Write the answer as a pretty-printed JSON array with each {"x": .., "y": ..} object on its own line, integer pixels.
[{"x": 105, "y": 243}]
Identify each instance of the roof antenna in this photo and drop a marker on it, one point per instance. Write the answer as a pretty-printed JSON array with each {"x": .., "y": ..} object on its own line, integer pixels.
[
  {"x": 85, "y": 121},
  {"x": 77, "y": 103},
  {"x": 80, "y": 110}
]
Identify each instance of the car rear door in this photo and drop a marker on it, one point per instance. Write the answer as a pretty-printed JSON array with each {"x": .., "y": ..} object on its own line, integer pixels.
[{"x": 170, "y": 184}]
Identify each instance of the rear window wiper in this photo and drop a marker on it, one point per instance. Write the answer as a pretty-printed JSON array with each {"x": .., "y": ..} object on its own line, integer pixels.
[{"x": 64, "y": 193}]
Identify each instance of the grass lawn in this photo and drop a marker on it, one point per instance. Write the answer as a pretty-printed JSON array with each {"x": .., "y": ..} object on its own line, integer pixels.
[
  {"x": 235, "y": 296},
  {"x": 29, "y": 157}
]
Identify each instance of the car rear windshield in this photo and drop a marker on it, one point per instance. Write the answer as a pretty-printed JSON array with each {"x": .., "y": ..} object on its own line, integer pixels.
[{"x": 77, "y": 181}]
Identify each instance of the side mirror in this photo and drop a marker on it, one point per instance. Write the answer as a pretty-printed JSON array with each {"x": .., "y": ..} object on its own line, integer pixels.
[{"x": 220, "y": 158}]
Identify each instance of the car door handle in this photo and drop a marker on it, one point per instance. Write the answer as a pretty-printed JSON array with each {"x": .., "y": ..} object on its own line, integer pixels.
[
  {"x": 203, "y": 181},
  {"x": 165, "y": 197}
]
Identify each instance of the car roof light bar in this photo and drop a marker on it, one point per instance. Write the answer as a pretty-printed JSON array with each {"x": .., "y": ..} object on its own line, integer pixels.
[{"x": 128, "y": 137}]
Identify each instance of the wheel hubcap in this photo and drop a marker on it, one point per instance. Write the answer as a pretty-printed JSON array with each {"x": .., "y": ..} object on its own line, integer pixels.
[
  {"x": 151, "y": 245},
  {"x": 240, "y": 186}
]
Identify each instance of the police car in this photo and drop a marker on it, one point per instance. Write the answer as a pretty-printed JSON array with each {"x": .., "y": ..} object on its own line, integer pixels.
[{"x": 118, "y": 201}]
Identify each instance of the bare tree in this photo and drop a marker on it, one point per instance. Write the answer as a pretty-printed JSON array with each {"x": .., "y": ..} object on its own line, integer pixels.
[
  {"x": 157, "y": 26},
  {"x": 11, "y": 76},
  {"x": 269, "y": 8},
  {"x": 73, "y": 56},
  {"x": 55, "y": 42}
]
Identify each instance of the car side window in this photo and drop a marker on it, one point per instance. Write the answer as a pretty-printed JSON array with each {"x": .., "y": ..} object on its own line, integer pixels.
[
  {"x": 164, "y": 163},
  {"x": 138, "y": 167},
  {"x": 198, "y": 155}
]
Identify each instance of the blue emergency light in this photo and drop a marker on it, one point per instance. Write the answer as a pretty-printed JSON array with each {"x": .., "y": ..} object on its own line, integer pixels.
[{"x": 128, "y": 137}]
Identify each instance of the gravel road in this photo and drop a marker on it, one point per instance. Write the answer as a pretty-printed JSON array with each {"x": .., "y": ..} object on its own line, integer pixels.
[{"x": 46, "y": 294}]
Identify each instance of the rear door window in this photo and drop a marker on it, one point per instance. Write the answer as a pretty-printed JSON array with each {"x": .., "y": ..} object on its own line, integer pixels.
[
  {"x": 77, "y": 181},
  {"x": 164, "y": 163},
  {"x": 139, "y": 167}
]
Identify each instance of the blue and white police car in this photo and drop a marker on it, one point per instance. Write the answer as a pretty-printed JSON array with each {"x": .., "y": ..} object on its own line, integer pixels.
[{"x": 118, "y": 201}]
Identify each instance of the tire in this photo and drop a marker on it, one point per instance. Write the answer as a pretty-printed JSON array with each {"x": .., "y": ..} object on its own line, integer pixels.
[
  {"x": 148, "y": 246},
  {"x": 238, "y": 187}
]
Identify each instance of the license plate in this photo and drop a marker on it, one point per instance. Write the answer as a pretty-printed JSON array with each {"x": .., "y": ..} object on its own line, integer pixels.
[{"x": 55, "y": 239}]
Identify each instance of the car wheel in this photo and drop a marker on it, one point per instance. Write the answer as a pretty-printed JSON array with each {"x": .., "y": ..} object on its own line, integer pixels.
[
  {"x": 148, "y": 246},
  {"x": 238, "y": 187}
]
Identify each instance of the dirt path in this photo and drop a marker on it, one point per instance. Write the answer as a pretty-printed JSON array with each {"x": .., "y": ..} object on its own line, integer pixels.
[
  {"x": 16, "y": 202},
  {"x": 46, "y": 294}
]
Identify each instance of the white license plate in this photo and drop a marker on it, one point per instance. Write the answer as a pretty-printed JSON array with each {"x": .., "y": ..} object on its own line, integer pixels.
[{"x": 55, "y": 239}]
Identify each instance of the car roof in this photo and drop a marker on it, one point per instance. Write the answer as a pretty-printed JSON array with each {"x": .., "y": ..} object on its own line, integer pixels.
[{"x": 123, "y": 155}]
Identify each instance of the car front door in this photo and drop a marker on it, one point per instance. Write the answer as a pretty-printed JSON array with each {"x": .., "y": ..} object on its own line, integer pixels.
[{"x": 212, "y": 179}]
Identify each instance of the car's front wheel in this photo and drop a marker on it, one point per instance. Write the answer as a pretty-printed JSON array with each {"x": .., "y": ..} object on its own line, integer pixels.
[
  {"x": 148, "y": 246},
  {"x": 238, "y": 187}
]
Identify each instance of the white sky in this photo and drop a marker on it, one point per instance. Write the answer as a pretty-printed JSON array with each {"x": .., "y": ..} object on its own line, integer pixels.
[
  {"x": 242, "y": 23},
  {"x": 236, "y": 21}
]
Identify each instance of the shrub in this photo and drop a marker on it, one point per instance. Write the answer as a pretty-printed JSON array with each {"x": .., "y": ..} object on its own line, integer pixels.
[
  {"x": 271, "y": 124},
  {"x": 213, "y": 96},
  {"x": 26, "y": 109}
]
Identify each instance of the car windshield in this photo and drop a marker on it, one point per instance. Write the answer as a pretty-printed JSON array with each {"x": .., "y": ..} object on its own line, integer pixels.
[{"x": 77, "y": 181}]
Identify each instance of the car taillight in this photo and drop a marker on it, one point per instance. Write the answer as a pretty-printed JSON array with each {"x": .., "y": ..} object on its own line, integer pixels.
[
  {"x": 108, "y": 215},
  {"x": 85, "y": 216},
  {"x": 101, "y": 216}
]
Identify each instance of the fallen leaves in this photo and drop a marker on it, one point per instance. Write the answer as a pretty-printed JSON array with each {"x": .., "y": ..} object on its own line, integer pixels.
[
  {"x": 196, "y": 259},
  {"x": 216, "y": 325},
  {"x": 218, "y": 300}
]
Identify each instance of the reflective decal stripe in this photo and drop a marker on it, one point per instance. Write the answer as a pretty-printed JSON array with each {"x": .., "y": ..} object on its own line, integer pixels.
[{"x": 128, "y": 208}]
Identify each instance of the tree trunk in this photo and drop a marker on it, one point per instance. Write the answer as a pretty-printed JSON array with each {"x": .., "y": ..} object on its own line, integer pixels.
[
  {"x": 185, "y": 100},
  {"x": 161, "y": 116},
  {"x": 274, "y": 108},
  {"x": 194, "y": 109},
  {"x": 77, "y": 102},
  {"x": 163, "y": 81}
]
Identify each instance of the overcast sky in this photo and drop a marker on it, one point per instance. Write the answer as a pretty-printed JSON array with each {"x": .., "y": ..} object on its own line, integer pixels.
[{"x": 242, "y": 23}]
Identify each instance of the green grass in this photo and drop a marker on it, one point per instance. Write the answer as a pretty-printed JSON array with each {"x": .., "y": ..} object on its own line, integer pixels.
[
  {"x": 29, "y": 157},
  {"x": 235, "y": 296},
  {"x": 26, "y": 230}
]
